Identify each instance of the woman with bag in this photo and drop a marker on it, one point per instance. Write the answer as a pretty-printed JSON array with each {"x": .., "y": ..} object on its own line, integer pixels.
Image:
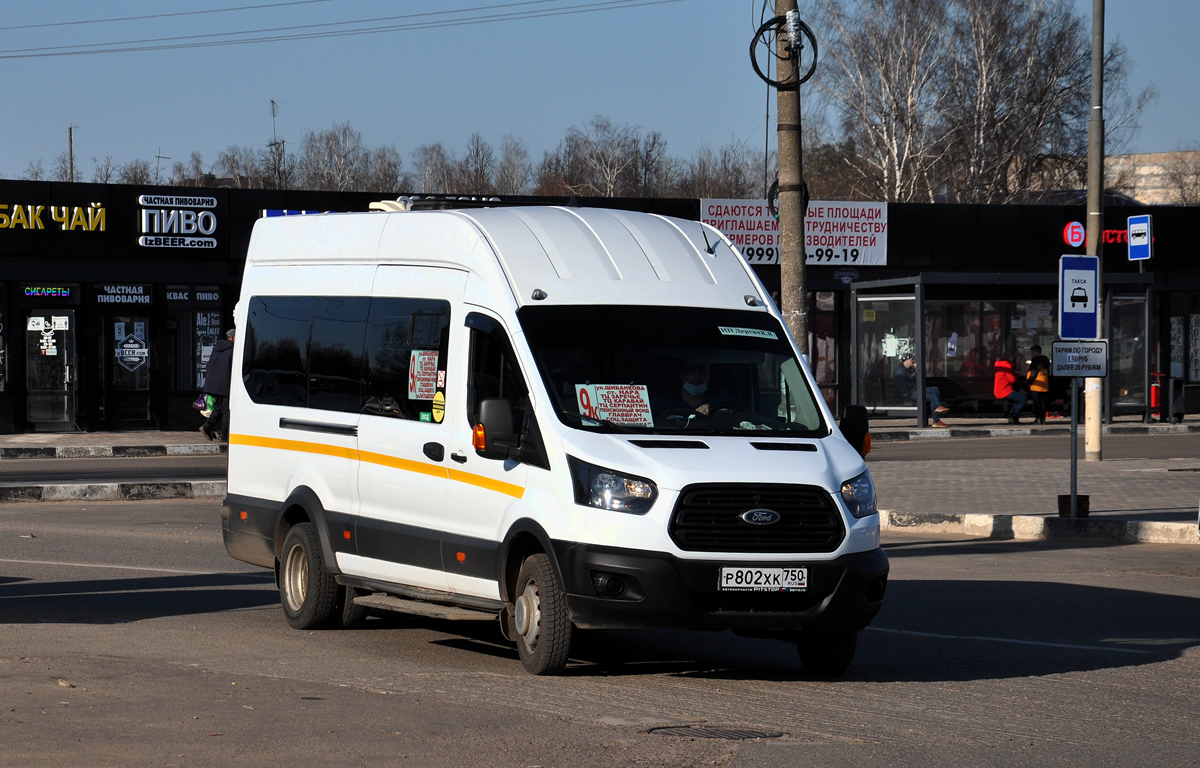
[{"x": 1039, "y": 382}]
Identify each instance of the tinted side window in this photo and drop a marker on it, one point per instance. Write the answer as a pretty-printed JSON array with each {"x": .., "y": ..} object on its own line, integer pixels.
[
  {"x": 275, "y": 360},
  {"x": 494, "y": 371},
  {"x": 335, "y": 360},
  {"x": 406, "y": 346}
]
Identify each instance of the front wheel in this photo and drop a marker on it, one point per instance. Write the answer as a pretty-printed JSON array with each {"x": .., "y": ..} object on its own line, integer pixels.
[
  {"x": 307, "y": 589},
  {"x": 540, "y": 617},
  {"x": 825, "y": 652}
]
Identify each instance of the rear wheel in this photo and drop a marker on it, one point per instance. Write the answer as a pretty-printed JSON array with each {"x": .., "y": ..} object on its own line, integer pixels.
[
  {"x": 540, "y": 618},
  {"x": 825, "y": 652},
  {"x": 306, "y": 588}
]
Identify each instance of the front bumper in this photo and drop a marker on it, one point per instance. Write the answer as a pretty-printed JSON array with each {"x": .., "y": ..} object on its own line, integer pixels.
[{"x": 661, "y": 590}]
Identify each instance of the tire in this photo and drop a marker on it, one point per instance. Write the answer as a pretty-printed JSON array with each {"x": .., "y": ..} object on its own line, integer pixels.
[
  {"x": 306, "y": 588},
  {"x": 543, "y": 625},
  {"x": 825, "y": 652},
  {"x": 350, "y": 616}
]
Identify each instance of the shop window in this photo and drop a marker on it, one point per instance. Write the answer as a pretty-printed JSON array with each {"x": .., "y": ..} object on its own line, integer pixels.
[{"x": 406, "y": 350}]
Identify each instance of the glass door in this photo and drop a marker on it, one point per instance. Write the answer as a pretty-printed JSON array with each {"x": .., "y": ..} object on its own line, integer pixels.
[
  {"x": 125, "y": 400},
  {"x": 50, "y": 369}
]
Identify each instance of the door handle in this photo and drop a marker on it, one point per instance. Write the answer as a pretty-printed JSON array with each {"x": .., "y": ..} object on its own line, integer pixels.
[
  {"x": 435, "y": 451},
  {"x": 461, "y": 458}
]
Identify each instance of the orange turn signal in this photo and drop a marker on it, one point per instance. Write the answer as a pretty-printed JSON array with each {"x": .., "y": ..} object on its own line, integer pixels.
[
  {"x": 346, "y": 535},
  {"x": 866, "y": 444},
  {"x": 242, "y": 515},
  {"x": 461, "y": 556},
  {"x": 479, "y": 438}
]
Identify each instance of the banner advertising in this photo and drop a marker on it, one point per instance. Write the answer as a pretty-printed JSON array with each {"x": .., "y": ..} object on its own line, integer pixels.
[{"x": 839, "y": 233}]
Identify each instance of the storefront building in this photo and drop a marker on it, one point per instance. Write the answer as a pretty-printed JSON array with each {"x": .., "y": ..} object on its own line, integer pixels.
[{"x": 111, "y": 296}]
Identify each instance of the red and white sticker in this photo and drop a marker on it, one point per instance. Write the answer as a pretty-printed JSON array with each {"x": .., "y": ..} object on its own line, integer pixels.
[
  {"x": 422, "y": 374},
  {"x": 618, "y": 403}
]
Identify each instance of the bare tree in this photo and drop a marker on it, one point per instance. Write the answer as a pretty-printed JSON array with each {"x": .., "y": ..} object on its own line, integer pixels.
[
  {"x": 332, "y": 159},
  {"x": 478, "y": 167},
  {"x": 106, "y": 170},
  {"x": 609, "y": 151},
  {"x": 434, "y": 169},
  {"x": 135, "y": 172},
  {"x": 279, "y": 168},
  {"x": 1181, "y": 170},
  {"x": 384, "y": 171},
  {"x": 63, "y": 169},
  {"x": 657, "y": 174},
  {"x": 189, "y": 174},
  {"x": 34, "y": 171},
  {"x": 513, "y": 172},
  {"x": 238, "y": 168},
  {"x": 878, "y": 68}
]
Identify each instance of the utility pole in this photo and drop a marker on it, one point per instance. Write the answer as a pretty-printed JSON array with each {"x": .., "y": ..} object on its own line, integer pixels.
[
  {"x": 1095, "y": 201},
  {"x": 71, "y": 153},
  {"x": 794, "y": 283}
]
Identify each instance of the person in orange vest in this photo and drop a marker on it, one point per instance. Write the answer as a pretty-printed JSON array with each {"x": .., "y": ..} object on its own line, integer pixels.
[
  {"x": 1038, "y": 377},
  {"x": 1005, "y": 389}
]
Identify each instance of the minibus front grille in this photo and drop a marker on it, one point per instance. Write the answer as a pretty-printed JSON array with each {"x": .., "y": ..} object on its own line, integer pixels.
[{"x": 708, "y": 518}]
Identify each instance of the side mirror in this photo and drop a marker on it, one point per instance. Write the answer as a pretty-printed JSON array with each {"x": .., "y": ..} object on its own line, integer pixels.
[
  {"x": 855, "y": 428},
  {"x": 493, "y": 435}
]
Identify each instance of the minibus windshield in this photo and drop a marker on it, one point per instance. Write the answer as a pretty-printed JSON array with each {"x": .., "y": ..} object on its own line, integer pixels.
[{"x": 660, "y": 370}]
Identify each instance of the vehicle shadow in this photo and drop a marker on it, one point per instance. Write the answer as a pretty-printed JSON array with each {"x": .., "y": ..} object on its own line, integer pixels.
[
  {"x": 112, "y": 601},
  {"x": 928, "y": 631}
]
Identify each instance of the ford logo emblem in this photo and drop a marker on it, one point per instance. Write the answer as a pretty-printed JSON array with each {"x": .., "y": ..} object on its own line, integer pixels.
[{"x": 760, "y": 516}]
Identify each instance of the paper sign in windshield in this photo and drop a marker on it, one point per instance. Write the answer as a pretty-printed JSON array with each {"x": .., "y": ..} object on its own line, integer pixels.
[
  {"x": 757, "y": 333},
  {"x": 422, "y": 374},
  {"x": 618, "y": 403}
]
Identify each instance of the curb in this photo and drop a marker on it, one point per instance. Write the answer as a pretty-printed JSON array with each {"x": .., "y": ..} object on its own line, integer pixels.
[
  {"x": 885, "y": 435},
  {"x": 110, "y": 451},
  {"x": 1036, "y": 528},
  {"x": 184, "y": 489}
]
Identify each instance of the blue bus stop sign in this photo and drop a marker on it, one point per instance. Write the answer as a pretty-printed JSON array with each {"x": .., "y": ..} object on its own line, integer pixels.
[
  {"x": 1078, "y": 304},
  {"x": 1140, "y": 237}
]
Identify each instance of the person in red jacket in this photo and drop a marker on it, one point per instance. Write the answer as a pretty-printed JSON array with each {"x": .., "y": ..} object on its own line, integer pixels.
[{"x": 1004, "y": 389}]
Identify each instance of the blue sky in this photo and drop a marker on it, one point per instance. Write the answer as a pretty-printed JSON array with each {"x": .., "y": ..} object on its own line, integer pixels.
[{"x": 680, "y": 67}]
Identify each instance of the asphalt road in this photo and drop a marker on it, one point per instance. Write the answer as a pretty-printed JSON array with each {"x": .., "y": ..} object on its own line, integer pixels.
[
  {"x": 157, "y": 468},
  {"x": 128, "y": 637}
]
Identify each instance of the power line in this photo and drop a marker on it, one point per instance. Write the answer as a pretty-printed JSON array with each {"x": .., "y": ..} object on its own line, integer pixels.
[
  {"x": 177, "y": 42},
  {"x": 162, "y": 15}
]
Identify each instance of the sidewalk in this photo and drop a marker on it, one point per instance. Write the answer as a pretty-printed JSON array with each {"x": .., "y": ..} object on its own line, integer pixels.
[{"x": 1131, "y": 501}]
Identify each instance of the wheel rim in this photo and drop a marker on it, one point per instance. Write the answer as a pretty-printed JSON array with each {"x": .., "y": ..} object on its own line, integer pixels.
[
  {"x": 295, "y": 578},
  {"x": 528, "y": 615}
]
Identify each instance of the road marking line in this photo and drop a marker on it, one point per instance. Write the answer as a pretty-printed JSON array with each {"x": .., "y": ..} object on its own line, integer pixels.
[
  {"x": 1008, "y": 640},
  {"x": 117, "y": 567}
]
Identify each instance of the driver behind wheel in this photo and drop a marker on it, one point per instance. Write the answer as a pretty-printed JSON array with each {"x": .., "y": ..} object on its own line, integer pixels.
[{"x": 694, "y": 394}]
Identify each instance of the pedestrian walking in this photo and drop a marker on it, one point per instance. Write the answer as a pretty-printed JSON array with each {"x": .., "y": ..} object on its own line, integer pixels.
[{"x": 217, "y": 377}]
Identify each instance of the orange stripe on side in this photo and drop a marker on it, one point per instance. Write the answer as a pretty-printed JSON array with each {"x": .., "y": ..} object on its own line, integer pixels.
[
  {"x": 294, "y": 445},
  {"x": 395, "y": 462},
  {"x": 407, "y": 465},
  {"x": 499, "y": 486}
]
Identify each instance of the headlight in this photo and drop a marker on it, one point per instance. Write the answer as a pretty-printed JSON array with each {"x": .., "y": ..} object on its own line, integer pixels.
[
  {"x": 859, "y": 495},
  {"x": 607, "y": 489}
]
